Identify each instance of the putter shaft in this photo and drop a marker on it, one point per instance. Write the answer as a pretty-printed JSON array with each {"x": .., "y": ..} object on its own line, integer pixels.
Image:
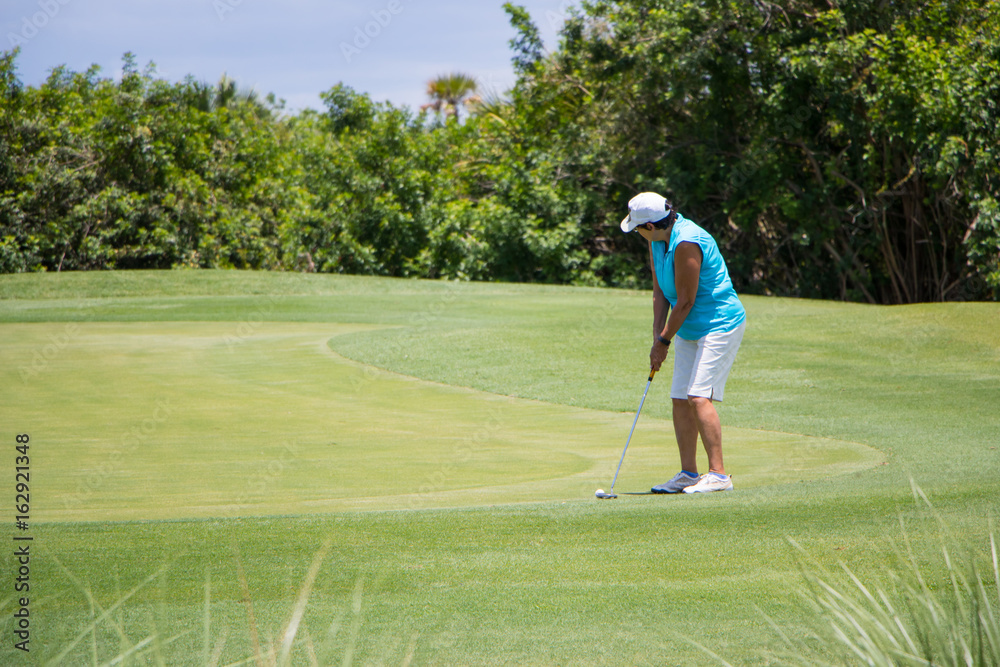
[{"x": 611, "y": 491}]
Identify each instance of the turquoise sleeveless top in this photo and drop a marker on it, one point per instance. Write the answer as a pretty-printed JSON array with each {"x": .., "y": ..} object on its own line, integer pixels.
[{"x": 716, "y": 308}]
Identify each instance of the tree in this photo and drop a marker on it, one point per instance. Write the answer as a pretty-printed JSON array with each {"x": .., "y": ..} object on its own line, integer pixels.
[
  {"x": 837, "y": 151},
  {"x": 226, "y": 92},
  {"x": 450, "y": 92},
  {"x": 527, "y": 46}
]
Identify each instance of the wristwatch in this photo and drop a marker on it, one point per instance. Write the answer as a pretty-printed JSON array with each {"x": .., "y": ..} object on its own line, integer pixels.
[{"x": 663, "y": 340}]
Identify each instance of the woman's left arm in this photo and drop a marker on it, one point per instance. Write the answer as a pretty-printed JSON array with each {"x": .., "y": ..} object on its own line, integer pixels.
[{"x": 687, "y": 269}]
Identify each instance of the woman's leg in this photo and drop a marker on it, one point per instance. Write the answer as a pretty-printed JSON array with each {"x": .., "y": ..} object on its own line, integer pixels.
[
  {"x": 710, "y": 428},
  {"x": 686, "y": 430}
]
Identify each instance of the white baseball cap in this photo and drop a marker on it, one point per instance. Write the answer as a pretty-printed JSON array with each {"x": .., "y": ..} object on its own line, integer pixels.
[{"x": 644, "y": 207}]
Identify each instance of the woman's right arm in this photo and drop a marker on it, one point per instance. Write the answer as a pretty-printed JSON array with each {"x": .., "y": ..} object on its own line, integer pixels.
[{"x": 661, "y": 309}]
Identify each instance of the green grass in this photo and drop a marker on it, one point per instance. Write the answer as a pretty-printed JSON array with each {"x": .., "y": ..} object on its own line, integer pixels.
[
  {"x": 913, "y": 622},
  {"x": 446, "y": 439}
]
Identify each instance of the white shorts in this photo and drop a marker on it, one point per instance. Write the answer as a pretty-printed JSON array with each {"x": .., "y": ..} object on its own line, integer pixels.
[{"x": 701, "y": 366}]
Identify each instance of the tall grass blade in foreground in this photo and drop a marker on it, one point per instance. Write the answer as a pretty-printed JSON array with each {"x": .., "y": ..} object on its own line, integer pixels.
[
  {"x": 104, "y": 616},
  {"x": 284, "y": 655},
  {"x": 913, "y": 624},
  {"x": 264, "y": 654},
  {"x": 248, "y": 606}
]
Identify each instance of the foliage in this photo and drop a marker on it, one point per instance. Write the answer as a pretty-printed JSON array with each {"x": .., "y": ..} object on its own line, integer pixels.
[
  {"x": 915, "y": 622},
  {"x": 843, "y": 150},
  {"x": 450, "y": 92},
  {"x": 135, "y": 174},
  {"x": 527, "y": 46},
  {"x": 836, "y": 152}
]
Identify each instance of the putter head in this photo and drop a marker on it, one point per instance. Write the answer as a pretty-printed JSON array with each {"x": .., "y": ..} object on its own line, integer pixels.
[{"x": 605, "y": 496}]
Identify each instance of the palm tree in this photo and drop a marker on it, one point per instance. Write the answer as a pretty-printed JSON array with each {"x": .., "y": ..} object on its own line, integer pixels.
[
  {"x": 227, "y": 93},
  {"x": 449, "y": 92}
]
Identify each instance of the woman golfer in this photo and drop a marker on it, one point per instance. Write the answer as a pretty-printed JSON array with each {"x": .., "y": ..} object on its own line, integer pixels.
[{"x": 705, "y": 324}]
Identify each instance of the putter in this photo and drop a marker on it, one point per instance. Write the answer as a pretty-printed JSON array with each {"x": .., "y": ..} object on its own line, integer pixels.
[{"x": 611, "y": 493}]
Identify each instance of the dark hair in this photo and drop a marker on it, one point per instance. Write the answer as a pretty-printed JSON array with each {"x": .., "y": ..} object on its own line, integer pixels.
[{"x": 663, "y": 223}]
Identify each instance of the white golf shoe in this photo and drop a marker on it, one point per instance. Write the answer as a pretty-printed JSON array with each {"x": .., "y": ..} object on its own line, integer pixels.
[
  {"x": 676, "y": 484},
  {"x": 711, "y": 482}
]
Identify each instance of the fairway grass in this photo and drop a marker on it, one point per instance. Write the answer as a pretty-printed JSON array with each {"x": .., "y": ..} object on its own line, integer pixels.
[{"x": 196, "y": 437}]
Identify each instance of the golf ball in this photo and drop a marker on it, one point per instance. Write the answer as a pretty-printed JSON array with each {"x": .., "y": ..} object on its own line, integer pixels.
[{"x": 599, "y": 492}]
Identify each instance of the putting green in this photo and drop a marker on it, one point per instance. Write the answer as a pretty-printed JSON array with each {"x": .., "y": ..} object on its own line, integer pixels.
[{"x": 170, "y": 420}]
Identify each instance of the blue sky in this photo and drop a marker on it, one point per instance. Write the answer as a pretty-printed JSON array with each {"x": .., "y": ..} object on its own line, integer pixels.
[{"x": 295, "y": 49}]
